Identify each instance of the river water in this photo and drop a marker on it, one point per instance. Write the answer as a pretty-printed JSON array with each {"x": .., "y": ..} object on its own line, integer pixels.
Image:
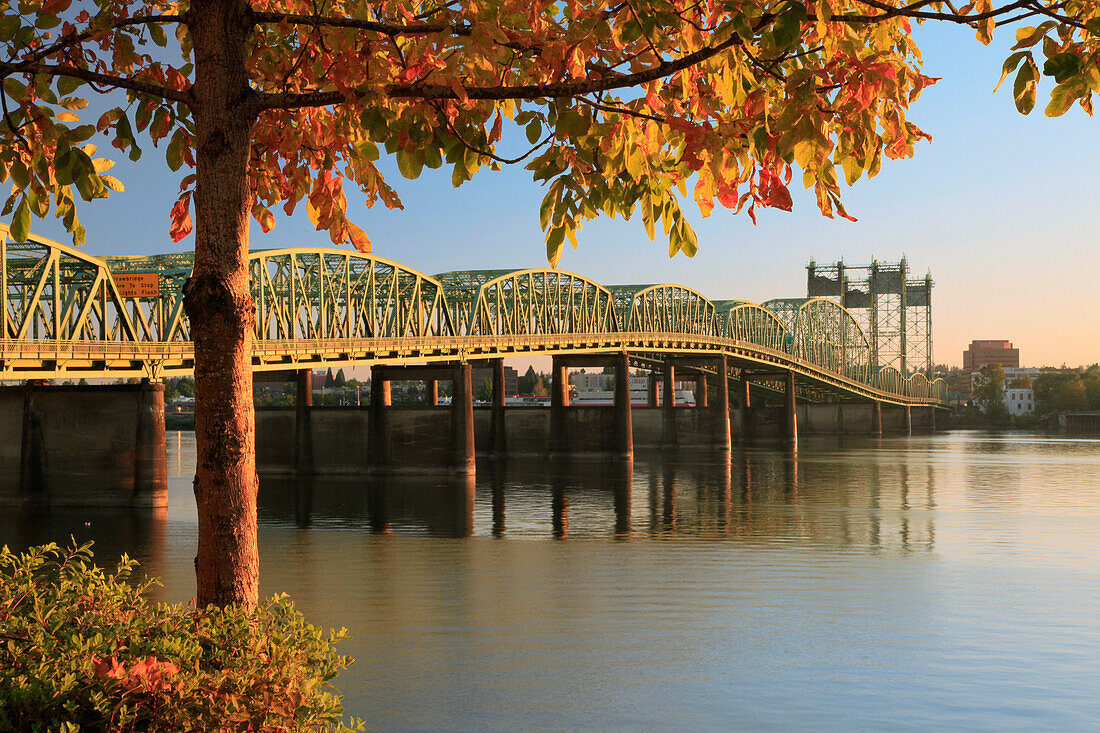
[{"x": 948, "y": 581}]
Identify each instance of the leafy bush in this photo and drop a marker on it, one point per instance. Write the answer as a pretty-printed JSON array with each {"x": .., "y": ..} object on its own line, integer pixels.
[{"x": 82, "y": 649}]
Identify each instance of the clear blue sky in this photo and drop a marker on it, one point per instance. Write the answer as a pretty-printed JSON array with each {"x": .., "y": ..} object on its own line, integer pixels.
[{"x": 1004, "y": 210}]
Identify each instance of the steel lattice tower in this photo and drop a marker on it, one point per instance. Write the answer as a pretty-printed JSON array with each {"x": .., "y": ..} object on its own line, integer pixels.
[{"x": 894, "y": 310}]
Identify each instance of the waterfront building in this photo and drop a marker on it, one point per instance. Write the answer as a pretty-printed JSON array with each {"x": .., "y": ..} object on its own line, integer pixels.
[{"x": 980, "y": 353}]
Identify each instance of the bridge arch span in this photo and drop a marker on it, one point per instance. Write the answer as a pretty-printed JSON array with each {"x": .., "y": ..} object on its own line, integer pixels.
[
  {"x": 665, "y": 308},
  {"x": 751, "y": 322},
  {"x": 332, "y": 293},
  {"x": 889, "y": 379},
  {"x": 826, "y": 334},
  {"x": 54, "y": 291},
  {"x": 919, "y": 386},
  {"x": 534, "y": 301}
]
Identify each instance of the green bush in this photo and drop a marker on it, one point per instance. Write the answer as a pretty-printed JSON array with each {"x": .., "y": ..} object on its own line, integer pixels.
[{"x": 82, "y": 649}]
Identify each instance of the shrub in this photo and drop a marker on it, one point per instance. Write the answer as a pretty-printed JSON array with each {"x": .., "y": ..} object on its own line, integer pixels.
[{"x": 82, "y": 649}]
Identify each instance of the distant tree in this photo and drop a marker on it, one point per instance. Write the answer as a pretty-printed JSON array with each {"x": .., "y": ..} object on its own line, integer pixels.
[
  {"x": 341, "y": 381},
  {"x": 1021, "y": 382},
  {"x": 185, "y": 386},
  {"x": 83, "y": 382},
  {"x": 526, "y": 383},
  {"x": 485, "y": 391},
  {"x": 990, "y": 390},
  {"x": 330, "y": 381},
  {"x": 540, "y": 389}
]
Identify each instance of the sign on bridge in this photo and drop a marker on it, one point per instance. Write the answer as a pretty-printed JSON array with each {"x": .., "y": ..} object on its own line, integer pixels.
[{"x": 137, "y": 284}]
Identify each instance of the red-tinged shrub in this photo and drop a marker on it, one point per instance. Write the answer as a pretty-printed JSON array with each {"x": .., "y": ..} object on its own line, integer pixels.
[{"x": 82, "y": 649}]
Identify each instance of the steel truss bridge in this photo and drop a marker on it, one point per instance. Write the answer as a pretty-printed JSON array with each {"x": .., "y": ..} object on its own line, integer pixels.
[{"x": 69, "y": 315}]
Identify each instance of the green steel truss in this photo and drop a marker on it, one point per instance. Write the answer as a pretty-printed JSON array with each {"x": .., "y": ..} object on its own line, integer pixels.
[
  {"x": 66, "y": 315},
  {"x": 338, "y": 294},
  {"x": 664, "y": 308}
]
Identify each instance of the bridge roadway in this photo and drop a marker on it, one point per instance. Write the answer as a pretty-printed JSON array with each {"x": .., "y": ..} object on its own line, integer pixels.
[{"x": 70, "y": 315}]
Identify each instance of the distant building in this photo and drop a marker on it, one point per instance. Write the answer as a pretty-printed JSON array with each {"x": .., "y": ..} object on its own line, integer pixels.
[
  {"x": 981, "y": 353},
  {"x": 592, "y": 381},
  {"x": 1019, "y": 401},
  {"x": 485, "y": 374}
]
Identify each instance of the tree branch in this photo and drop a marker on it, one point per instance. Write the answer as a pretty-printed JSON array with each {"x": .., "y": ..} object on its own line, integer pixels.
[
  {"x": 525, "y": 91},
  {"x": 389, "y": 29},
  {"x": 118, "y": 82}
]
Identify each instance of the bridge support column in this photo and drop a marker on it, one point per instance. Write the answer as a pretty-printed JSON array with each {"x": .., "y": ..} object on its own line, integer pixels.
[
  {"x": 745, "y": 408},
  {"x": 932, "y": 419},
  {"x": 497, "y": 430},
  {"x": 624, "y": 425},
  {"x": 908, "y": 420},
  {"x": 701, "y": 391},
  {"x": 668, "y": 409},
  {"x": 559, "y": 401},
  {"x": 840, "y": 428},
  {"x": 303, "y": 421},
  {"x": 378, "y": 440},
  {"x": 462, "y": 421},
  {"x": 722, "y": 436},
  {"x": 876, "y": 419},
  {"x": 790, "y": 422},
  {"x": 151, "y": 454},
  {"x": 651, "y": 390},
  {"x": 122, "y": 445},
  {"x": 431, "y": 395}
]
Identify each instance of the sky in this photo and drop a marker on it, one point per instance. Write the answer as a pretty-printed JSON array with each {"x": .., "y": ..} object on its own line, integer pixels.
[{"x": 1004, "y": 210}]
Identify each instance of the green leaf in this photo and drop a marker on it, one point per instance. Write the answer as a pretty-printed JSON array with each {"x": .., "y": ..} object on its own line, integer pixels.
[
  {"x": 1062, "y": 66},
  {"x": 156, "y": 32},
  {"x": 66, "y": 85},
  {"x": 410, "y": 163},
  {"x": 174, "y": 153},
  {"x": 1009, "y": 66},
  {"x": 432, "y": 157},
  {"x": 1061, "y": 99},
  {"x": 787, "y": 29},
  {"x": 534, "y": 131},
  {"x": 1024, "y": 88},
  {"x": 1093, "y": 26},
  {"x": 21, "y": 223},
  {"x": 555, "y": 242},
  {"x": 20, "y": 175}
]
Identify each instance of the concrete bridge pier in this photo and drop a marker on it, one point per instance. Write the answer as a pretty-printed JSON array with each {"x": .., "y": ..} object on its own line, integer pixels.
[
  {"x": 559, "y": 401},
  {"x": 669, "y": 435},
  {"x": 722, "y": 438},
  {"x": 460, "y": 454},
  {"x": 499, "y": 438},
  {"x": 932, "y": 419},
  {"x": 624, "y": 423},
  {"x": 120, "y": 459},
  {"x": 790, "y": 411},
  {"x": 745, "y": 407},
  {"x": 617, "y": 437},
  {"x": 303, "y": 423},
  {"x": 876, "y": 419},
  {"x": 908, "y": 420}
]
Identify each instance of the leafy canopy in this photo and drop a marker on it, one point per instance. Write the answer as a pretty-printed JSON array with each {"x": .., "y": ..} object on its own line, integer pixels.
[{"x": 617, "y": 107}]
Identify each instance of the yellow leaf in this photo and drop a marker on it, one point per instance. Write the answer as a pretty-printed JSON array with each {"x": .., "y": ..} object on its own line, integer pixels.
[
  {"x": 102, "y": 165},
  {"x": 314, "y": 215},
  {"x": 112, "y": 183},
  {"x": 67, "y": 117}
]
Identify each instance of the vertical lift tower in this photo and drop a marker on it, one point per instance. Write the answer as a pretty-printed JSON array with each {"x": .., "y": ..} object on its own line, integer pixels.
[{"x": 894, "y": 310}]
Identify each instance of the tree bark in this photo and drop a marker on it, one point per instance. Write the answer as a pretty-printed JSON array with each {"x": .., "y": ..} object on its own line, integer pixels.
[{"x": 219, "y": 304}]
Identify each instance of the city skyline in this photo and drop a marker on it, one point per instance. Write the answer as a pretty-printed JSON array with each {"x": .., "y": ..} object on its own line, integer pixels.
[{"x": 998, "y": 207}]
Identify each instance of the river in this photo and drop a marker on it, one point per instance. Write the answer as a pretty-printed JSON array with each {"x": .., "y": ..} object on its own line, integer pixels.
[{"x": 949, "y": 581}]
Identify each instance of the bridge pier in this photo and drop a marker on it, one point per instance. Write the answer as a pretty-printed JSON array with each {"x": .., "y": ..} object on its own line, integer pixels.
[
  {"x": 932, "y": 419},
  {"x": 790, "y": 411},
  {"x": 498, "y": 434},
  {"x": 621, "y": 428},
  {"x": 559, "y": 401},
  {"x": 460, "y": 454},
  {"x": 723, "y": 437},
  {"x": 745, "y": 407},
  {"x": 624, "y": 423},
  {"x": 908, "y": 420},
  {"x": 669, "y": 433},
  {"x": 303, "y": 423},
  {"x": 431, "y": 392},
  {"x": 120, "y": 459}
]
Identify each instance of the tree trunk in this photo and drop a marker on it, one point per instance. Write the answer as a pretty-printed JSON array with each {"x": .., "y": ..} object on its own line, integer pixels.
[{"x": 221, "y": 310}]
